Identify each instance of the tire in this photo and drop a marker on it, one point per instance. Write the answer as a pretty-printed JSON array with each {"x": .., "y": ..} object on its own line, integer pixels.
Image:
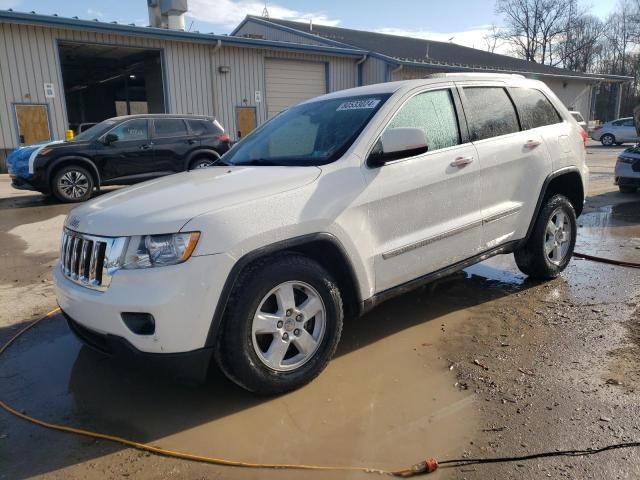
[
  {"x": 203, "y": 162},
  {"x": 248, "y": 351},
  {"x": 607, "y": 140},
  {"x": 619, "y": 143},
  {"x": 72, "y": 183},
  {"x": 626, "y": 189},
  {"x": 534, "y": 258}
]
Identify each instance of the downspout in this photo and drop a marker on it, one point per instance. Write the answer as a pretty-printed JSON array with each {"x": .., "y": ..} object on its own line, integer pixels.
[
  {"x": 395, "y": 70},
  {"x": 218, "y": 46},
  {"x": 359, "y": 69}
]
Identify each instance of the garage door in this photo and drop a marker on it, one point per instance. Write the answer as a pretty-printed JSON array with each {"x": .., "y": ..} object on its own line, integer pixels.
[{"x": 289, "y": 82}]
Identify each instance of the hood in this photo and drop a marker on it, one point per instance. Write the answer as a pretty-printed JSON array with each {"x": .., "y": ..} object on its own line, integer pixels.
[
  {"x": 165, "y": 205},
  {"x": 20, "y": 161}
]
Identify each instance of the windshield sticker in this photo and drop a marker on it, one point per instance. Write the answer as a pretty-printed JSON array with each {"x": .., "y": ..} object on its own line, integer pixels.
[{"x": 367, "y": 104}]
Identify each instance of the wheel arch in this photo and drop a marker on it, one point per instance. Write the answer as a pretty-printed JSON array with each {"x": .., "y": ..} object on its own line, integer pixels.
[
  {"x": 566, "y": 181},
  {"x": 201, "y": 152},
  {"x": 324, "y": 248},
  {"x": 74, "y": 160}
]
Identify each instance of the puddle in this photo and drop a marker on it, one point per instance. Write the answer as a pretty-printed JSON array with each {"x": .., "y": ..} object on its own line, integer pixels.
[{"x": 611, "y": 231}]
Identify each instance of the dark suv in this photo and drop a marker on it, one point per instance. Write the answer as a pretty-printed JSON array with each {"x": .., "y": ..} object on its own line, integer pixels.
[{"x": 118, "y": 151}]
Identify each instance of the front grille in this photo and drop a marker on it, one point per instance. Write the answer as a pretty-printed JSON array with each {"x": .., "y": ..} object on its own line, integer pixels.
[{"x": 89, "y": 260}]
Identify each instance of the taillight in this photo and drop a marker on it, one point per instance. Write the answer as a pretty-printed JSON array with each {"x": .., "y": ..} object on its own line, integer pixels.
[
  {"x": 584, "y": 136},
  {"x": 224, "y": 137},
  {"x": 598, "y": 127}
]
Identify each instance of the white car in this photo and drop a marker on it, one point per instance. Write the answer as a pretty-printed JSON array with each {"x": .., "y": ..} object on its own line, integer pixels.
[
  {"x": 627, "y": 172},
  {"x": 616, "y": 132},
  {"x": 579, "y": 118},
  {"x": 328, "y": 209}
]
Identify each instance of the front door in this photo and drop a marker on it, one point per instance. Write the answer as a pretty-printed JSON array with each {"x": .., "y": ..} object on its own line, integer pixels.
[
  {"x": 33, "y": 123},
  {"x": 425, "y": 209},
  {"x": 172, "y": 143},
  {"x": 130, "y": 157}
]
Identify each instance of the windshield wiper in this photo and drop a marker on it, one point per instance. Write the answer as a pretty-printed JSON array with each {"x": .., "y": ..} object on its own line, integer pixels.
[{"x": 259, "y": 162}]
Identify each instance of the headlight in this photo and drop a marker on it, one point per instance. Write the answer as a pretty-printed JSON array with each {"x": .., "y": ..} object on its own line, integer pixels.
[
  {"x": 626, "y": 159},
  {"x": 44, "y": 151},
  {"x": 159, "y": 250}
]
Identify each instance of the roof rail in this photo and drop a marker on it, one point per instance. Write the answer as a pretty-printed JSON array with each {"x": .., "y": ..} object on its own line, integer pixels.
[{"x": 475, "y": 74}]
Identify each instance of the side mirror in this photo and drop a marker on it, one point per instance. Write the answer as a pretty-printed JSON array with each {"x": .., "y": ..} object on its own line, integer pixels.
[
  {"x": 110, "y": 138},
  {"x": 397, "y": 143}
]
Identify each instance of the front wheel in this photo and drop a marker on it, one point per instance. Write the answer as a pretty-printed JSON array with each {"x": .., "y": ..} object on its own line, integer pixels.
[
  {"x": 203, "y": 162},
  {"x": 548, "y": 250},
  {"x": 72, "y": 184},
  {"x": 282, "y": 325}
]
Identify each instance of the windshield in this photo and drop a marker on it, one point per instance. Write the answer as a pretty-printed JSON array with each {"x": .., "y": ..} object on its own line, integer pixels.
[
  {"x": 313, "y": 133},
  {"x": 94, "y": 131}
]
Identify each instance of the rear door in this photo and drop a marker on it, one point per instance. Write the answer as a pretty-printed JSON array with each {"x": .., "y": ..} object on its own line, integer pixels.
[
  {"x": 129, "y": 157},
  {"x": 628, "y": 131},
  {"x": 172, "y": 143},
  {"x": 514, "y": 163},
  {"x": 425, "y": 212}
]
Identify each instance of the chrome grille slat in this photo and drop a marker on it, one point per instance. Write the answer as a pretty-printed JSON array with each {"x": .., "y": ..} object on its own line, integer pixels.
[{"x": 89, "y": 260}]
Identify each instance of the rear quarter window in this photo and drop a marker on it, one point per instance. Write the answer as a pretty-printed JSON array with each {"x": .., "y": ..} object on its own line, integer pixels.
[
  {"x": 490, "y": 112},
  {"x": 535, "y": 109},
  {"x": 204, "y": 127}
]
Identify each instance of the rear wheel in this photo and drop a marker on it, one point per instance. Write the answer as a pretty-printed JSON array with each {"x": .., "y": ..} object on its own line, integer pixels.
[
  {"x": 72, "y": 184},
  {"x": 626, "y": 189},
  {"x": 282, "y": 325},
  {"x": 607, "y": 140},
  {"x": 548, "y": 250}
]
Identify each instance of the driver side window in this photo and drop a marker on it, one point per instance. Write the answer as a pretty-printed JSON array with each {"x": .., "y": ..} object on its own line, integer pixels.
[
  {"x": 132, "y": 130},
  {"x": 433, "y": 112}
]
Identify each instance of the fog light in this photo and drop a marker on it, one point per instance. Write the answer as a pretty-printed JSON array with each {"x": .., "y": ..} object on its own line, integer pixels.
[{"x": 139, "y": 323}]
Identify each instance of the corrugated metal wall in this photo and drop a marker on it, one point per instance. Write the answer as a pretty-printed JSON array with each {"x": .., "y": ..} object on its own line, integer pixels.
[
  {"x": 272, "y": 33},
  {"x": 246, "y": 76},
  {"x": 373, "y": 71},
  {"x": 193, "y": 84}
]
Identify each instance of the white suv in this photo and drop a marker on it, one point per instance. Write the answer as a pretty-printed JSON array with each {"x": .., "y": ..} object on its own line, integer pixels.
[{"x": 331, "y": 207}]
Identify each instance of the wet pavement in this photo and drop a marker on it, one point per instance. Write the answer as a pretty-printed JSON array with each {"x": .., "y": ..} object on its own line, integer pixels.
[{"x": 482, "y": 363}]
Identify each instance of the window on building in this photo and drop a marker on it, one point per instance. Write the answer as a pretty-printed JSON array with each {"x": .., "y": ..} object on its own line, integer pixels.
[
  {"x": 433, "y": 112},
  {"x": 535, "y": 109},
  {"x": 490, "y": 112},
  {"x": 170, "y": 127},
  {"x": 132, "y": 130}
]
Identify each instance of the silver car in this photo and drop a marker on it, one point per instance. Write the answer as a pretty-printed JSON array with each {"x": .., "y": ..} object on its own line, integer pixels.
[
  {"x": 627, "y": 175},
  {"x": 616, "y": 132}
]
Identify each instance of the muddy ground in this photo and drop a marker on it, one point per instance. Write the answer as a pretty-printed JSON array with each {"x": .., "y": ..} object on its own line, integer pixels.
[{"x": 483, "y": 363}]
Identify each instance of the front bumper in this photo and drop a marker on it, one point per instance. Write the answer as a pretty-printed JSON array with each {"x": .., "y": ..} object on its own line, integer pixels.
[
  {"x": 182, "y": 299},
  {"x": 192, "y": 365},
  {"x": 626, "y": 175},
  {"x": 34, "y": 183}
]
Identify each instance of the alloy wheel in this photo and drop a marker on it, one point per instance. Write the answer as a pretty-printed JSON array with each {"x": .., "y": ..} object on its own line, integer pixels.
[
  {"x": 73, "y": 184},
  {"x": 288, "y": 326},
  {"x": 558, "y": 237}
]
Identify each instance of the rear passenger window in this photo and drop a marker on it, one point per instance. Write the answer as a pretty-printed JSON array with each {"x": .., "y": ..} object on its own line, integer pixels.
[
  {"x": 490, "y": 112},
  {"x": 434, "y": 113},
  {"x": 170, "y": 127},
  {"x": 535, "y": 109},
  {"x": 628, "y": 123},
  {"x": 203, "y": 127}
]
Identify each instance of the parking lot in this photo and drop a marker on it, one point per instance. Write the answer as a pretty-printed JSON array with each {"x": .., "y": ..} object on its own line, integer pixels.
[{"x": 483, "y": 363}]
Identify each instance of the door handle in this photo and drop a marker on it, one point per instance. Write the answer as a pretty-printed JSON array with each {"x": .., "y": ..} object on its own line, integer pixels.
[
  {"x": 532, "y": 144},
  {"x": 191, "y": 141},
  {"x": 461, "y": 162},
  {"x": 146, "y": 147}
]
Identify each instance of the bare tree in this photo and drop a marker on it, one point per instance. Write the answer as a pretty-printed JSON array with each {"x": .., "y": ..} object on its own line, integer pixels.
[{"x": 492, "y": 38}]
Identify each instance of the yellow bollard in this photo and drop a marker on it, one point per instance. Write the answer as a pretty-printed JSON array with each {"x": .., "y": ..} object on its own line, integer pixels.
[{"x": 69, "y": 135}]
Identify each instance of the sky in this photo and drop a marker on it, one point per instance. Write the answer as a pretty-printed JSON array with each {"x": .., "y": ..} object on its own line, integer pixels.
[{"x": 465, "y": 22}]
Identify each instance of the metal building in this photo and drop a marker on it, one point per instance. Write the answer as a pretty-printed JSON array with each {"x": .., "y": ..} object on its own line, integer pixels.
[{"x": 59, "y": 73}]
